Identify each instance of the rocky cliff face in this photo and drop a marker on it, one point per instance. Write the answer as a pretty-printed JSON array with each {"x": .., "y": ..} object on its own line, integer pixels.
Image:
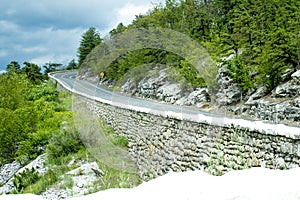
[
  {"x": 8, "y": 171},
  {"x": 158, "y": 86},
  {"x": 282, "y": 105},
  {"x": 229, "y": 92}
]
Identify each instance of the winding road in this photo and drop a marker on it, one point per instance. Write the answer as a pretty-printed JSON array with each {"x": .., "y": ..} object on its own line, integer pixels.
[{"x": 69, "y": 81}]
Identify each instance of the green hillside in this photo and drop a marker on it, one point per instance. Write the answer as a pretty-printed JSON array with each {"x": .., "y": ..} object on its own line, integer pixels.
[{"x": 264, "y": 36}]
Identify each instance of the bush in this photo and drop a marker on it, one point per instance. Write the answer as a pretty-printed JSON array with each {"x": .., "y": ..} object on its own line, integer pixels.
[
  {"x": 64, "y": 143},
  {"x": 46, "y": 90},
  {"x": 32, "y": 146},
  {"x": 49, "y": 178},
  {"x": 25, "y": 179}
]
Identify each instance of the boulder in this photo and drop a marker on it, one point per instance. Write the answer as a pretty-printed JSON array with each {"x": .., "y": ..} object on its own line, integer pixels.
[
  {"x": 296, "y": 76},
  {"x": 287, "y": 74},
  {"x": 169, "y": 93},
  {"x": 297, "y": 102},
  {"x": 288, "y": 89},
  {"x": 87, "y": 169},
  {"x": 198, "y": 98},
  {"x": 259, "y": 93}
]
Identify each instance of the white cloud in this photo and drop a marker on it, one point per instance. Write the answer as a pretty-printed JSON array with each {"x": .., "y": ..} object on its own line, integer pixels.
[
  {"x": 2, "y": 71},
  {"x": 50, "y": 30},
  {"x": 51, "y": 58},
  {"x": 7, "y": 26},
  {"x": 31, "y": 49},
  {"x": 3, "y": 53},
  {"x": 126, "y": 14}
]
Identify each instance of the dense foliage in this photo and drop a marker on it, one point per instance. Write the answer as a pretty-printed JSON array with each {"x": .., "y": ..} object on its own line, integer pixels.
[
  {"x": 264, "y": 36},
  {"x": 30, "y": 112},
  {"x": 25, "y": 179},
  {"x": 63, "y": 143}
]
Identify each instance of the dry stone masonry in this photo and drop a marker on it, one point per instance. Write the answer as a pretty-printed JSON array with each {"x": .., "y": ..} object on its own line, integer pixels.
[{"x": 159, "y": 144}]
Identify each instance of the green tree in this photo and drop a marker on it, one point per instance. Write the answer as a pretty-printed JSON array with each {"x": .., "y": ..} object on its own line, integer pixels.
[
  {"x": 10, "y": 135},
  {"x": 72, "y": 65},
  {"x": 51, "y": 67},
  {"x": 12, "y": 90},
  {"x": 30, "y": 113},
  {"x": 13, "y": 66},
  {"x": 120, "y": 28},
  {"x": 89, "y": 40},
  {"x": 33, "y": 72}
]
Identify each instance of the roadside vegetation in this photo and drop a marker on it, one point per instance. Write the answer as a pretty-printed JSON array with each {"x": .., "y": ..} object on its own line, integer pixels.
[{"x": 37, "y": 119}]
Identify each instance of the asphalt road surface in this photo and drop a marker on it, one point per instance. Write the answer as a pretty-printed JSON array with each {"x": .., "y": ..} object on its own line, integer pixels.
[{"x": 84, "y": 88}]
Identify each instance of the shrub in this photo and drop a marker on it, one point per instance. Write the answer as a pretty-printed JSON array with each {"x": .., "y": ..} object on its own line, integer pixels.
[
  {"x": 25, "y": 179},
  {"x": 49, "y": 178},
  {"x": 64, "y": 143}
]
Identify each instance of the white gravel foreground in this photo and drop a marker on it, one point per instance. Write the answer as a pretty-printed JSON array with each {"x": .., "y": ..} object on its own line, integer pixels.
[{"x": 250, "y": 184}]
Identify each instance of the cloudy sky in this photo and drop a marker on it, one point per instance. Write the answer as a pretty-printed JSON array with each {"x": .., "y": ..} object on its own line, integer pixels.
[{"x": 42, "y": 31}]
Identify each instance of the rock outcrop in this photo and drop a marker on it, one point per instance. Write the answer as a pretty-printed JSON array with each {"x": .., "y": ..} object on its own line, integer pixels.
[
  {"x": 282, "y": 106},
  {"x": 9, "y": 170},
  {"x": 82, "y": 178},
  {"x": 157, "y": 86},
  {"x": 199, "y": 98},
  {"x": 129, "y": 87},
  {"x": 149, "y": 85},
  {"x": 288, "y": 89},
  {"x": 169, "y": 93},
  {"x": 229, "y": 92}
]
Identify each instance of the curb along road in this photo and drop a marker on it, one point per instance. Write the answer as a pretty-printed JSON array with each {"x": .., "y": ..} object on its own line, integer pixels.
[{"x": 69, "y": 81}]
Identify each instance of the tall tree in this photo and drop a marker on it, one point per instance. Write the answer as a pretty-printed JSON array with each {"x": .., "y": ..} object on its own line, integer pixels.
[
  {"x": 33, "y": 72},
  {"x": 50, "y": 67},
  {"x": 72, "y": 65},
  {"x": 89, "y": 40},
  {"x": 13, "y": 66}
]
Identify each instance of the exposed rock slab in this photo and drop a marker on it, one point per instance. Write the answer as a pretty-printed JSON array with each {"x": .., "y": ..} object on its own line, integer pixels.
[
  {"x": 37, "y": 164},
  {"x": 7, "y": 171}
]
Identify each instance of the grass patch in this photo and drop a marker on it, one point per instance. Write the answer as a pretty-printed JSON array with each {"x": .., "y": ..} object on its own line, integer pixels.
[
  {"x": 114, "y": 138},
  {"x": 114, "y": 178},
  {"x": 67, "y": 182},
  {"x": 66, "y": 100},
  {"x": 49, "y": 178}
]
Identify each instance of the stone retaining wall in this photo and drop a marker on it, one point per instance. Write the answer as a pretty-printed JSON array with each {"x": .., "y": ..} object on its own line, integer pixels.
[{"x": 159, "y": 144}]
